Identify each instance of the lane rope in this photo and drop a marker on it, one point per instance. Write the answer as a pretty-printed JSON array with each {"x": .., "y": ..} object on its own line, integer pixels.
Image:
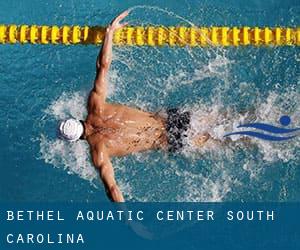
[{"x": 152, "y": 35}]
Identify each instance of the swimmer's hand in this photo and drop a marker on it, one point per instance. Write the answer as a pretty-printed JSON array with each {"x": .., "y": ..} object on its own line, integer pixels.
[{"x": 115, "y": 24}]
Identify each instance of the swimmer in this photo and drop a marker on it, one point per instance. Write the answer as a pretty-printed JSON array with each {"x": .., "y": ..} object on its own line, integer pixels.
[{"x": 114, "y": 130}]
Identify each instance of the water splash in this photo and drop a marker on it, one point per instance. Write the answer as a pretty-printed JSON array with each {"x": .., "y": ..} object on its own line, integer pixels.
[
  {"x": 192, "y": 185},
  {"x": 215, "y": 85},
  {"x": 74, "y": 158}
]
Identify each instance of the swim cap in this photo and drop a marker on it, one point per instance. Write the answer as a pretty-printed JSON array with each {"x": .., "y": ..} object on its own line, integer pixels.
[{"x": 70, "y": 129}]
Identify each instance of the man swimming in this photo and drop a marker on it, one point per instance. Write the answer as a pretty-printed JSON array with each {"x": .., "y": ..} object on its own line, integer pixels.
[{"x": 117, "y": 130}]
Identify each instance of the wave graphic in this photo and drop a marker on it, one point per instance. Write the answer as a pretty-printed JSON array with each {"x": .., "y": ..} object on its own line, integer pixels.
[
  {"x": 284, "y": 121},
  {"x": 262, "y": 136},
  {"x": 269, "y": 128}
]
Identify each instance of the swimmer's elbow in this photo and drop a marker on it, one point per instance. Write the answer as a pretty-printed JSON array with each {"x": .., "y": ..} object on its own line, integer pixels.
[
  {"x": 99, "y": 163},
  {"x": 105, "y": 63}
]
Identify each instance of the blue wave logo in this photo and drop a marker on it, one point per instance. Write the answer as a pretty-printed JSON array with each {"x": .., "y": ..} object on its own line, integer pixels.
[{"x": 279, "y": 133}]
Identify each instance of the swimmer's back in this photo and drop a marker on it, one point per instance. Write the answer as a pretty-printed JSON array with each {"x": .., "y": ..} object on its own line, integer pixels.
[{"x": 126, "y": 130}]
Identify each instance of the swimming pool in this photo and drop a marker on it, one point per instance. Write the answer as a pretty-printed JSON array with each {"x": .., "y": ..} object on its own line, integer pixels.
[{"x": 42, "y": 84}]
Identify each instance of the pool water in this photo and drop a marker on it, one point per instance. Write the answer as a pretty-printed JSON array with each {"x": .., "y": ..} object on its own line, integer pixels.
[{"x": 43, "y": 84}]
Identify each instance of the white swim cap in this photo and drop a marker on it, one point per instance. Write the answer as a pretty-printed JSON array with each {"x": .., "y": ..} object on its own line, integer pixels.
[{"x": 70, "y": 130}]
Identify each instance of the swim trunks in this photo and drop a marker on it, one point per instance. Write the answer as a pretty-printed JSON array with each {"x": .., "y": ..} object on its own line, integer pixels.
[{"x": 177, "y": 125}]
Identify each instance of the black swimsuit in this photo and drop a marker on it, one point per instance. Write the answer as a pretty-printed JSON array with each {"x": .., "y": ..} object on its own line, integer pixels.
[{"x": 177, "y": 124}]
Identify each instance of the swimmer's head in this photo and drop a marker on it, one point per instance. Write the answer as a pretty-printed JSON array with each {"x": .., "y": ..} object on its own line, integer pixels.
[{"x": 70, "y": 130}]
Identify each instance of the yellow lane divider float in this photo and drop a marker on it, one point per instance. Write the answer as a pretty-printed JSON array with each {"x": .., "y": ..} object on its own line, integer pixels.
[{"x": 152, "y": 36}]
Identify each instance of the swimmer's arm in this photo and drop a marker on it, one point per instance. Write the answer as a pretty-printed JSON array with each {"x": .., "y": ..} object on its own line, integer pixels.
[
  {"x": 105, "y": 56},
  {"x": 102, "y": 65},
  {"x": 103, "y": 164}
]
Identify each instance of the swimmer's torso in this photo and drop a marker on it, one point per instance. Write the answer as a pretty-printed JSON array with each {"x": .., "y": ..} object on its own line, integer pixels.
[{"x": 124, "y": 130}]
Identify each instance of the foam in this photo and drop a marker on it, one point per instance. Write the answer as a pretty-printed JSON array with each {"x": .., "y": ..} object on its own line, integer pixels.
[
  {"x": 200, "y": 188},
  {"x": 72, "y": 157}
]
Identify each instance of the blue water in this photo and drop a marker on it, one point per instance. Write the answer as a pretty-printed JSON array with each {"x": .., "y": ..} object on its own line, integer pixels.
[{"x": 42, "y": 84}]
